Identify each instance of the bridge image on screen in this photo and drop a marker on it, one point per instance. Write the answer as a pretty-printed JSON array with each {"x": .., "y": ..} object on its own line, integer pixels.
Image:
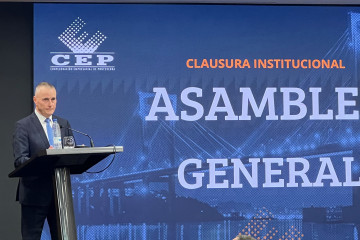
[{"x": 140, "y": 196}]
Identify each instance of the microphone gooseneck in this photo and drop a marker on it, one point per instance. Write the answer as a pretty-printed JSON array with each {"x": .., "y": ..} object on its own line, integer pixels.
[{"x": 74, "y": 130}]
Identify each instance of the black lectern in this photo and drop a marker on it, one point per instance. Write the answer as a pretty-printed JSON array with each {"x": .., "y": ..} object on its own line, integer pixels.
[{"x": 62, "y": 163}]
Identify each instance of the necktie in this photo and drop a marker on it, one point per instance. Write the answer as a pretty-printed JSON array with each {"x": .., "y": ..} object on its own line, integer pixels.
[{"x": 49, "y": 132}]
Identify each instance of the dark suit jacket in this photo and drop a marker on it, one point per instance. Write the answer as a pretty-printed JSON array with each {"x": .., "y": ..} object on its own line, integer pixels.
[{"x": 29, "y": 138}]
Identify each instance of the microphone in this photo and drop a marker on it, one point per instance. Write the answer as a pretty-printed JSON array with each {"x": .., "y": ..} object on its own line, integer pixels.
[{"x": 91, "y": 141}]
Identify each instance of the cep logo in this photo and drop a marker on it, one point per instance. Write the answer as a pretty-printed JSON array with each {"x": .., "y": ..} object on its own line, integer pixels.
[{"x": 83, "y": 55}]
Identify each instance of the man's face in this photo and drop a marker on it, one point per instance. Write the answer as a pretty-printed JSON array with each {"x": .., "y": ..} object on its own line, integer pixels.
[{"x": 45, "y": 100}]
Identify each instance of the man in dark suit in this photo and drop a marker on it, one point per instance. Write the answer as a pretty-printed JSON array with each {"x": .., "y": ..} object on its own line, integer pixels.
[{"x": 36, "y": 194}]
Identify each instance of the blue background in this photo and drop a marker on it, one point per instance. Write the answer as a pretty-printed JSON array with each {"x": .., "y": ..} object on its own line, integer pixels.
[{"x": 133, "y": 199}]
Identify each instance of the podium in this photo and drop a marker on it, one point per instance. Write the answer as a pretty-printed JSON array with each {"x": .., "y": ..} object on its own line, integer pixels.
[{"x": 61, "y": 163}]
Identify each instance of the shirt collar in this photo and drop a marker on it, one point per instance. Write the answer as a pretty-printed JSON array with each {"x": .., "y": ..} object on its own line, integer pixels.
[{"x": 41, "y": 117}]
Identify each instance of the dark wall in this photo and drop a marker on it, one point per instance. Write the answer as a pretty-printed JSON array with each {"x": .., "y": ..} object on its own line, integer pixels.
[{"x": 16, "y": 79}]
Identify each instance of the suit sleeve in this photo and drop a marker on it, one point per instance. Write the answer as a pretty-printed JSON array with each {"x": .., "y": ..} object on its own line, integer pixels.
[
  {"x": 69, "y": 131},
  {"x": 21, "y": 146}
]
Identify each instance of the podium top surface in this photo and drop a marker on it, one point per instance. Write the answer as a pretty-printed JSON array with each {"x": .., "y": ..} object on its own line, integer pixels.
[
  {"x": 78, "y": 160},
  {"x": 85, "y": 150}
]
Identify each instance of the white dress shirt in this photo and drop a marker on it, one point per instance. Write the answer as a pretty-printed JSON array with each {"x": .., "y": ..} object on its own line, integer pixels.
[{"x": 42, "y": 121}]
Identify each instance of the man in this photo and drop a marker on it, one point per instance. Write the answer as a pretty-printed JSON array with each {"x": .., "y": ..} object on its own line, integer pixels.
[
  {"x": 243, "y": 237},
  {"x": 36, "y": 194}
]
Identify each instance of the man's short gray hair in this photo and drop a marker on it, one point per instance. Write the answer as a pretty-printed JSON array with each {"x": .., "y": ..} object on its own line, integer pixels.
[{"x": 43, "y": 84}]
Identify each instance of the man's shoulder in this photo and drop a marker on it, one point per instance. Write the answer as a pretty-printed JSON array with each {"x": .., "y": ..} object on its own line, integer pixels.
[
  {"x": 33, "y": 116},
  {"x": 60, "y": 120},
  {"x": 27, "y": 118}
]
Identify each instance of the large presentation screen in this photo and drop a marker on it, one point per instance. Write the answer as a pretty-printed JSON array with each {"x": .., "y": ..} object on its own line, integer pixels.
[{"x": 235, "y": 119}]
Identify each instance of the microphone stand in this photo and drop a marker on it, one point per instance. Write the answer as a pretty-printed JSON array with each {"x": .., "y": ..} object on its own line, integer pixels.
[{"x": 91, "y": 141}]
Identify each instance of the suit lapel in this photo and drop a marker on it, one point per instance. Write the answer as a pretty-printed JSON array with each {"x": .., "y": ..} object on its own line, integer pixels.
[{"x": 39, "y": 129}]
